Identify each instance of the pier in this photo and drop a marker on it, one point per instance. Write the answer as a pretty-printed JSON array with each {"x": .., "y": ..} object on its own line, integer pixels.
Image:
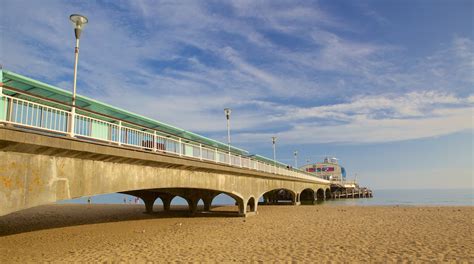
[{"x": 49, "y": 153}]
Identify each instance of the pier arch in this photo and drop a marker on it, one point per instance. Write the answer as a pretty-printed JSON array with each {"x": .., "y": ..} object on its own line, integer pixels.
[
  {"x": 320, "y": 195},
  {"x": 328, "y": 194},
  {"x": 278, "y": 196},
  {"x": 252, "y": 205},
  {"x": 192, "y": 196},
  {"x": 307, "y": 196}
]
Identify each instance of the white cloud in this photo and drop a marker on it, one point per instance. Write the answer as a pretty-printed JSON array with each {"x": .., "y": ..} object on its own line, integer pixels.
[
  {"x": 374, "y": 119},
  {"x": 272, "y": 86}
]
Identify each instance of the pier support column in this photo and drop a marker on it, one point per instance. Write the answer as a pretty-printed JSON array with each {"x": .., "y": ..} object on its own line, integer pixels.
[
  {"x": 207, "y": 204},
  {"x": 252, "y": 203},
  {"x": 166, "y": 199},
  {"x": 207, "y": 200},
  {"x": 242, "y": 207},
  {"x": 149, "y": 199},
  {"x": 192, "y": 203},
  {"x": 295, "y": 200}
]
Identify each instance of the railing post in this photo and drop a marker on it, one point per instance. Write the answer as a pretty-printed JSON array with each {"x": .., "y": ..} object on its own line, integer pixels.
[
  {"x": 72, "y": 121},
  {"x": 3, "y": 104},
  {"x": 120, "y": 133},
  {"x": 240, "y": 157},
  {"x": 155, "y": 140},
  {"x": 230, "y": 159},
  {"x": 216, "y": 155},
  {"x": 10, "y": 110},
  {"x": 200, "y": 151},
  {"x": 180, "y": 147}
]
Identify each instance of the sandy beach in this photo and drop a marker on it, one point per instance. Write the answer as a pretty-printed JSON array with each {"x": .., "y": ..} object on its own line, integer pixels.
[{"x": 114, "y": 233}]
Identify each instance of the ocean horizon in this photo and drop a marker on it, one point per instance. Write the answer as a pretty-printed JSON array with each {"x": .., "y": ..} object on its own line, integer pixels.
[{"x": 400, "y": 197}]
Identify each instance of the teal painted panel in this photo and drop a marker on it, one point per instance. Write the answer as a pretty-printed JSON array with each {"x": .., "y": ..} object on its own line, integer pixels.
[
  {"x": 100, "y": 130},
  {"x": 188, "y": 150},
  {"x": 3, "y": 109}
]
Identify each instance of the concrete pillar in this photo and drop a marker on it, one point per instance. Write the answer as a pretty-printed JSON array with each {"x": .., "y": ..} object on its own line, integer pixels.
[
  {"x": 242, "y": 207},
  {"x": 207, "y": 204},
  {"x": 192, "y": 203},
  {"x": 295, "y": 200},
  {"x": 166, "y": 199},
  {"x": 252, "y": 203},
  {"x": 149, "y": 199},
  {"x": 207, "y": 200}
]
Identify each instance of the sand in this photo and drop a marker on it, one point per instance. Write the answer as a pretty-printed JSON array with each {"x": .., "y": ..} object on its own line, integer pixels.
[{"x": 306, "y": 234}]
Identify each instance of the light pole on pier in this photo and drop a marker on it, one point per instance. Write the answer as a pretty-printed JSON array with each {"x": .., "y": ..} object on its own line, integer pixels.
[
  {"x": 227, "y": 112},
  {"x": 296, "y": 158},
  {"x": 274, "y": 150},
  {"x": 79, "y": 22}
]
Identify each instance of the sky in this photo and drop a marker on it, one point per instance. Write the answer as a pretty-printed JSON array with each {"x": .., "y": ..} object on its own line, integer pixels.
[{"x": 385, "y": 86}]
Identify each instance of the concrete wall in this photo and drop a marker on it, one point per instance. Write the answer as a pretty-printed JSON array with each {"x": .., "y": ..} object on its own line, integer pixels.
[{"x": 38, "y": 169}]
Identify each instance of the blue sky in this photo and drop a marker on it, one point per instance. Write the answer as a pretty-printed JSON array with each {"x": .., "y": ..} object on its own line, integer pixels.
[{"x": 386, "y": 86}]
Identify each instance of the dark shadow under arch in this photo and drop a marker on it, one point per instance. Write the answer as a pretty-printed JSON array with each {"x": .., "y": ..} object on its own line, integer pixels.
[
  {"x": 279, "y": 196},
  {"x": 307, "y": 197},
  {"x": 328, "y": 194},
  {"x": 251, "y": 205},
  {"x": 320, "y": 195},
  {"x": 192, "y": 200}
]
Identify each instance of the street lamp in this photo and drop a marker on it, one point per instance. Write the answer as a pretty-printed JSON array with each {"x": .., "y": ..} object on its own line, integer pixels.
[
  {"x": 296, "y": 158},
  {"x": 79, "y": 22},
  {"x": 274, "y": 149},
  {"x": 227, "y": 112}
]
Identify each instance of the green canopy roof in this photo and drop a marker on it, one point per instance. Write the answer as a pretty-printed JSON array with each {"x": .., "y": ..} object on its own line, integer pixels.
[{"x": 25, "y": 84}]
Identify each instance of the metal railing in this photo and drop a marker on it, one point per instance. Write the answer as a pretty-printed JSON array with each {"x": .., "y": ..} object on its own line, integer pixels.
[{"x": 57, "y": 119}]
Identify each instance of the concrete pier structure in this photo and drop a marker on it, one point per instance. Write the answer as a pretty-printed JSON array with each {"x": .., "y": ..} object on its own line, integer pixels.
[
  {"x": 50, "y": 152},
  {"x": 39, "y": 169}
]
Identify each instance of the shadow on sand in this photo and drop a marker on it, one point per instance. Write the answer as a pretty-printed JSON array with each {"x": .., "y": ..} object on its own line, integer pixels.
[{"x": 67, "y": 215}]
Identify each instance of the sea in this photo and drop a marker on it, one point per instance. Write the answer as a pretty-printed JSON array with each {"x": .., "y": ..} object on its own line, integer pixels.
[{"x": 388, "y": 197}]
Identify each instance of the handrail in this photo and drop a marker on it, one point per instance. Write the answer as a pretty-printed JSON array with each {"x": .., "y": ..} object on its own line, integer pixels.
[
  {"x": 69, "y": 105},
  {"x": 25, "y": 113}
]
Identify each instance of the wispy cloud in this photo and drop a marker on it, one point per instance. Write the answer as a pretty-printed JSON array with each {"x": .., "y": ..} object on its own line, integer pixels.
[
  {"x": 285, "y": 67},
  {"x": 373, "y": 119}
]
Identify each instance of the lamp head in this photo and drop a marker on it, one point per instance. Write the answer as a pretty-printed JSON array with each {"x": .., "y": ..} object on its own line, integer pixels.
[
  {"x": 227, "y": 112},
  {"x": 78, "y": 22},
  {"x": 274, "y": 139}
]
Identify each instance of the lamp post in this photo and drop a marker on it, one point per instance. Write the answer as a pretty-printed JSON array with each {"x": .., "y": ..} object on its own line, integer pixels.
[
  {"x": 296, "y": 158},
  {"x": 227, "y": 112},
  {"x": 274, "y": 150},
  {"x": 79, "y": 22}
]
